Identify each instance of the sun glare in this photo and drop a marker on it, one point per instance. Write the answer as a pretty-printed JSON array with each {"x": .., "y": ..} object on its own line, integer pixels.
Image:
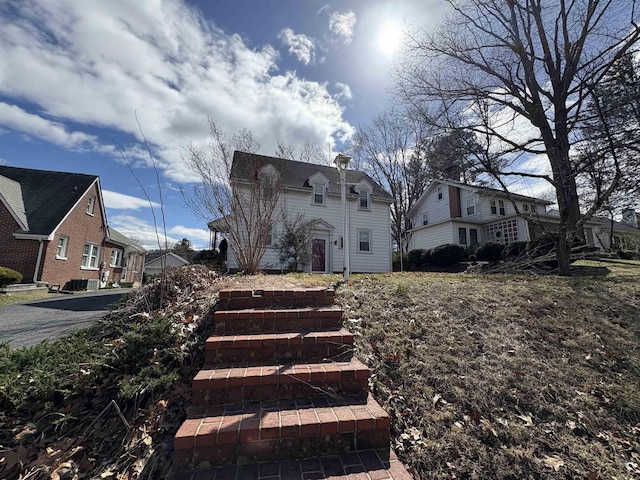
[{"x": 389, "y": 38}]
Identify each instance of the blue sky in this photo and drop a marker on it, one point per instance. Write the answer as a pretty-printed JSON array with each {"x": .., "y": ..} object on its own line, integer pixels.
[{"x": 74, "y": 73}]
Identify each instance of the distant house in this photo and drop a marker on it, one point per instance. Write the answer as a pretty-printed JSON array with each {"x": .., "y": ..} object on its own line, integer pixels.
[
  {"x": 314, "y": 191},
  {"x": 126, "y": 259},
  {"x": 53, "y": 227},
  {"x": 452, "y": 212},
  {"x": 156, "y": 263}
]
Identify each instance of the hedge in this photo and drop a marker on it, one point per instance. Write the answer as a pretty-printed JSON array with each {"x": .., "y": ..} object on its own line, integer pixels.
[
  {"x": 448, "y": 254},
  {"x": 8, "y": 276}
]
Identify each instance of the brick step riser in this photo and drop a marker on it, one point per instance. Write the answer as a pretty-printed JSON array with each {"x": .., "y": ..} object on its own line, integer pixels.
[
  {"x": 268, "y": 450},
  {"x": 283, "y": 391},
  {"x": 275, "y": 325},
  {"x": 276, "y": 302},
  {"x": 279, "y": 353}
]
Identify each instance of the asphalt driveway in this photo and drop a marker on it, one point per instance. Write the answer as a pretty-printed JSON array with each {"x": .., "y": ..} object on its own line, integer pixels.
[{"x": 30, "y": 323}]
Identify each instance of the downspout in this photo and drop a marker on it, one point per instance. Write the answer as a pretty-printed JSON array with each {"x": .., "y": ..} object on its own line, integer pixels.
[{"x": 39, "y": 259}]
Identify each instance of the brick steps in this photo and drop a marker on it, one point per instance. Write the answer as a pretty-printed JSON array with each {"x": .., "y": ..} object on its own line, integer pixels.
[
  {"x": 236, "y": 299},
  {"x": 251, "y": 382},
  {"x": 280, "y": 384},
  {"x": 309, "y": 346},
  {"x": 281, "y": 430},
  {"x": 254, "y": 320},
  {"x": 370, "y": 465}
]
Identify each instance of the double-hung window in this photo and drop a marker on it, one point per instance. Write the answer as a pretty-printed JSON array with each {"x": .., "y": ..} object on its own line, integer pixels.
[
  {"x": 116, "y": 258},
  {"x": 364, "y": 200},
  {"x": 90, "y": 256},
  {"x": 473, "y": 236},
  {"x": 425, "y": 218},
  {"x": 494, "y": 208},
  {"x": 91, "y": 203},
  {"x": 471, "y": 206},
  {"x": 440, "y": 193},
  {"x": 364, "y": 240},
  {"x": 501, "y": 207},
  {"x": 318, "y": 194},
  {"x": 462, "y": 236},
  {"x": 61, "y": 249}
]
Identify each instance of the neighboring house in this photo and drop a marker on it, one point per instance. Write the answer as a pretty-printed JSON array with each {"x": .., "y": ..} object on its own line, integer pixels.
[
  {"x": 53, "y": 226},
  {"x": 314, "y": 191},
  {"x": 126, "y": 259},
  {"x": 156, "y": 264},
  {"x": 452, "y": 212},
  {"x": 625, "y": 234}
]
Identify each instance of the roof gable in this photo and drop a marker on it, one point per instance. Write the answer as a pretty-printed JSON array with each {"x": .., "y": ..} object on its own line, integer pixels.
[
  {"x": 47, "y": 196},
  {"x": 11, "y": 197},
  {"x": 296, "y": 174}
]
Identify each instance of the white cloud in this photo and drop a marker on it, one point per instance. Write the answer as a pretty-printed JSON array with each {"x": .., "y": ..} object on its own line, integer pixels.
[
  {"x": 301, "y": 46},
  {"x": 342, "y": 24},
  {"x": 17, "y": 119},
  {"x": 120, "y": 201},
  {"x": 344, "y": 91},
  {"x": 200, "y": 237},
  {"x": 142, "y": 231},
  {"x": 95, "y": 64}
]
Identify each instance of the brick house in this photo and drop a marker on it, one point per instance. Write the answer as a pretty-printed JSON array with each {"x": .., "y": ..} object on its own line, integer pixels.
[{"x": 53, "y": 227}]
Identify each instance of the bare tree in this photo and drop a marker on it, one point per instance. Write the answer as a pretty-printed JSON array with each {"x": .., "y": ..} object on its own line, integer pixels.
[
  {"x": 294, "y": 241},
  {"x": 242, "y": 206},
  {"x": 308, "y": 153},
  {"x": 610, "y": 151},
  {"x": 385, "y": 149},
  {"x": 517, "y": 74}
]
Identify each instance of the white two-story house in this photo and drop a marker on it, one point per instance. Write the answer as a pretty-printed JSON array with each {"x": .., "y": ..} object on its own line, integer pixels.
[
  {"x": 452, "y": 212},
  {"x": 315, "y": 192}
]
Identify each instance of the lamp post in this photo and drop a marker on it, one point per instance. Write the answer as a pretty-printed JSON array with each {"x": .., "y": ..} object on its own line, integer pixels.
[{"x": 342, "y": 162}]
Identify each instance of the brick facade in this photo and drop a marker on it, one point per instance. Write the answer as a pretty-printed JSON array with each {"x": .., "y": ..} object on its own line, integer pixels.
[
  {"x": 19, "y": 255},
  {"x": 80, "y": 228}
]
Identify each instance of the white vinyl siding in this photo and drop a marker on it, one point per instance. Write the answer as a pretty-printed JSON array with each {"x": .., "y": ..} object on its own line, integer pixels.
[{"x": 377, "y": 220}]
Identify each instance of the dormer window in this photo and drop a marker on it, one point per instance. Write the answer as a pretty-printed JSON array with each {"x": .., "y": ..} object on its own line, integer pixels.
[
  {"x": 318, "y": 193},
  {"x": 90, "y": 205},
  {"x": 525, "y": 207},
  {"x": 501, "y": 207},
  {"x": 533, "y": 208},
  {"x": 364, "y": 199}
]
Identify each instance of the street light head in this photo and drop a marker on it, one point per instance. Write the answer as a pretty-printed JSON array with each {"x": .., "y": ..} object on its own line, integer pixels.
[{"x": 342, "y": 161}]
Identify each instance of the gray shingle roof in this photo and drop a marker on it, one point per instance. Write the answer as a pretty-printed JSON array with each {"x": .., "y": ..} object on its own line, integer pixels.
[
  {"x": 296, "y": 174},
  {"x": 47, "y": 196},
  {"x": 116, "y": 237}
]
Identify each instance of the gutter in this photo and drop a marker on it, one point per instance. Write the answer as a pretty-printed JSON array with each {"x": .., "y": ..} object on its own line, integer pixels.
[{"x": 35, "y": 273}]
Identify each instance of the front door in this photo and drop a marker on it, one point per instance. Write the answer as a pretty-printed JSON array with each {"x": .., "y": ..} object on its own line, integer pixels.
[{"x": 319, "y": 250}]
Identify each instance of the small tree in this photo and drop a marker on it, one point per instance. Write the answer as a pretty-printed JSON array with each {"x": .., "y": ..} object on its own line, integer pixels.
[
  {"x": 184, "y": 248},
  {"x": 243, "y": 205},
  {"x": 294, "y": 242}
]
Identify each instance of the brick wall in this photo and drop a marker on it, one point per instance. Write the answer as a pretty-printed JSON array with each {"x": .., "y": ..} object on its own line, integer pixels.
[
  {"x": 80, "y": 228},
  {"x": 19, "y": 255}
]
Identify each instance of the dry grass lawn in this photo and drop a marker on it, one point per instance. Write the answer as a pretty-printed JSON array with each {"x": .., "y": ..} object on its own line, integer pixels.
[{"x": 506, "y": 376}]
